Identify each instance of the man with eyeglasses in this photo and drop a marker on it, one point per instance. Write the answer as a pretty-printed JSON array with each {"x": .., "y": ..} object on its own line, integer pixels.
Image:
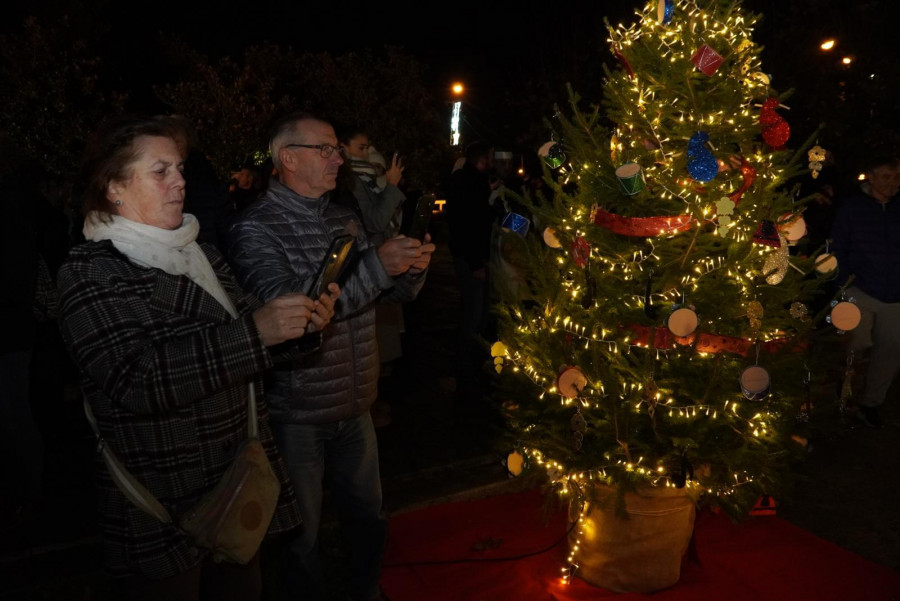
[{"x": 319, "y": 406}]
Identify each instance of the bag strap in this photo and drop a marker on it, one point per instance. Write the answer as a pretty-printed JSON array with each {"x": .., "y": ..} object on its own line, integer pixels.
[
  {"x": 253, "y": 425},
  {"x": 130, "y": 487},
  {"x": 133, "y": 490}
]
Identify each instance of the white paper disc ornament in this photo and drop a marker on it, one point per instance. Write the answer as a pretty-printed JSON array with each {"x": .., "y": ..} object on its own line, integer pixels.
[
  {"x": 792, "y": 226},
  {"x": 550, "y": 238},
  {"x": 755, "y": 383},
  {"x": 844, "y": 316},
  {"x": 826, "y": 263},
  {"x": 571, "y": 382},
  {"x": 682, "y": 322}
]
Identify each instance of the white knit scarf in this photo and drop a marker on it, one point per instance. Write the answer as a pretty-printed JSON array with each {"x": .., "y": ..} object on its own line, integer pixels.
[{"x": 174, "y": 251}]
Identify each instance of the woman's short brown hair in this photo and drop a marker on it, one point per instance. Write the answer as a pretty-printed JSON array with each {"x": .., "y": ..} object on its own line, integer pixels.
[{"x": 111, "y": 151}]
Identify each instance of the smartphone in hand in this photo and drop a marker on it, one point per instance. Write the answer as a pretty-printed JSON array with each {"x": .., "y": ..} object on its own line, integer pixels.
[
  {"x": 422, "y": 217},
  {"x": 339, "y": 256}
]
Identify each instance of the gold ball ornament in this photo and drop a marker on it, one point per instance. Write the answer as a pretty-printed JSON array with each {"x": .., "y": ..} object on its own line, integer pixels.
[
  {"x": 755, "y": 310},
  {"x": 799, "y": 311},
  {"x": 761, "y": 77}
]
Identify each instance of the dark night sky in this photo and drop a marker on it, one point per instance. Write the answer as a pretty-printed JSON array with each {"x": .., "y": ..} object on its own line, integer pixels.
[
  {"x": 463, "y": 40},
  {"x": 487, "y": 44}
]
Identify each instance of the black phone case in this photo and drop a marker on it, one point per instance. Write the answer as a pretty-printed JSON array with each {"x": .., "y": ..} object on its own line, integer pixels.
[
  {"x": 340, "y": 254},
  {"x": 422, "y": 218}
]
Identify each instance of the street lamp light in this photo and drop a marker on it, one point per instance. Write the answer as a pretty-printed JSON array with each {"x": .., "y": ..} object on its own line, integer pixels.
[
  {"x": 828, "y": 44},
  {"x": 456, "y": 114}
]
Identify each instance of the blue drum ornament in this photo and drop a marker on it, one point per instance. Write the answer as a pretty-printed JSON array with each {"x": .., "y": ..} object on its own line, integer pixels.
[
  {"x": 755, "y": 383},
  {"x": 702, "y": 165},
  {"x": 516, "y": 223}
]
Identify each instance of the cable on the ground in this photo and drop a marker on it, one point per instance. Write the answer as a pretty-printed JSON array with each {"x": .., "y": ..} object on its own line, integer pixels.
[{"x": 482, "y": 559}]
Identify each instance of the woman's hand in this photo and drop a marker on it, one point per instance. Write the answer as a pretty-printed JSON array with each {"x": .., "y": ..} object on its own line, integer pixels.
[
  {"x": 284, "y": 318},
  {"x": 324, "y": 309},
  {"x": 394, "y": 173}
]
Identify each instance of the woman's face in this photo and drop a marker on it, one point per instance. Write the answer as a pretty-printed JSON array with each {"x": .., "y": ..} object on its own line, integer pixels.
[
  {"x": 153, "y": 194},
  {"x": 358, "y": 147}
]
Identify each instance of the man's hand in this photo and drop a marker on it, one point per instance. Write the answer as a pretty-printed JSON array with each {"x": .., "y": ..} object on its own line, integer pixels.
[
  {"x": 399, "y": 254},
  {"x": 421, "y": 264},
  {"x": 283, "y": 318},
  {"x": 324, "y": 309}
]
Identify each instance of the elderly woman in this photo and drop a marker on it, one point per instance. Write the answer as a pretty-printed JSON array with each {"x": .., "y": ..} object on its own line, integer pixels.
[{"x": 167, "y": 344}]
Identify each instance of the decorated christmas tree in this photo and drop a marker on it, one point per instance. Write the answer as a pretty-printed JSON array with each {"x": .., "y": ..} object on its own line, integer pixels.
[{"x": 663, "y": 338}]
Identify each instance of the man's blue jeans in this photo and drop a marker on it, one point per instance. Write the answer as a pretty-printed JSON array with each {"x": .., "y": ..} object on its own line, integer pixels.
[{"x": 344, "y": 456}]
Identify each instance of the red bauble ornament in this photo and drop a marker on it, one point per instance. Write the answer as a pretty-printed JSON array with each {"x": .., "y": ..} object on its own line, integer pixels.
[{"x": 775, "y": 130}]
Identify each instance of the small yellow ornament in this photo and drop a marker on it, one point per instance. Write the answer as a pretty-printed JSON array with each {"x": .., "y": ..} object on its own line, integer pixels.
[
  {"x": 515, "y": 463},
  {"x": 499, "y": 352},
  {"x": 816, "y": 157},
  {"x": 761, "y": 77},
  {"x": 724, "y": 206}
]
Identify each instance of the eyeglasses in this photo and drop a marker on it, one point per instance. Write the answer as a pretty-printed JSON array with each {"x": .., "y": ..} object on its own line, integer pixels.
[{"x": 325, "y": 150}]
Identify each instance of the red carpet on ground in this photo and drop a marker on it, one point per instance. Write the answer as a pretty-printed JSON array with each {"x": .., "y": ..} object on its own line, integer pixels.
[{"x": 455, "y": 552}]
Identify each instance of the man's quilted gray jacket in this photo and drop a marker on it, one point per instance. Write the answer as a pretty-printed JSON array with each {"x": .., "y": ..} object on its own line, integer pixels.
[{"x": 275, "y": 246}]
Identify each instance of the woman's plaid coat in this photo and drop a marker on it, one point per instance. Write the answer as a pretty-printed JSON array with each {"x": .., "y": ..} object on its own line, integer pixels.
[{"x": 165, "y": 369}]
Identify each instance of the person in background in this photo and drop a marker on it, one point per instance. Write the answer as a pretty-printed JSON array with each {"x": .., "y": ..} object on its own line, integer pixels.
[
  {"x": 866, "y": 243},
  {"x": 243, "y": 187},
  {"x": 167, "y": 344},
  {"x": 470, "y": 221},
  {"x": 372, "y": 190},
  {"x": 374, "y": 187},
  {"x": 320, "y": 406},
  {"x": 206, "y": 195}
]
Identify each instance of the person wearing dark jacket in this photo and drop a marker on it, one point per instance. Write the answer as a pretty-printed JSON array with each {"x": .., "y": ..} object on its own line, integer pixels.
[
  {"x": 470, "y": 220},
  {"x": 866, "y": 243},
  {"x": 320, "y": 406},
  {"x": 169, "y": 348}
]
